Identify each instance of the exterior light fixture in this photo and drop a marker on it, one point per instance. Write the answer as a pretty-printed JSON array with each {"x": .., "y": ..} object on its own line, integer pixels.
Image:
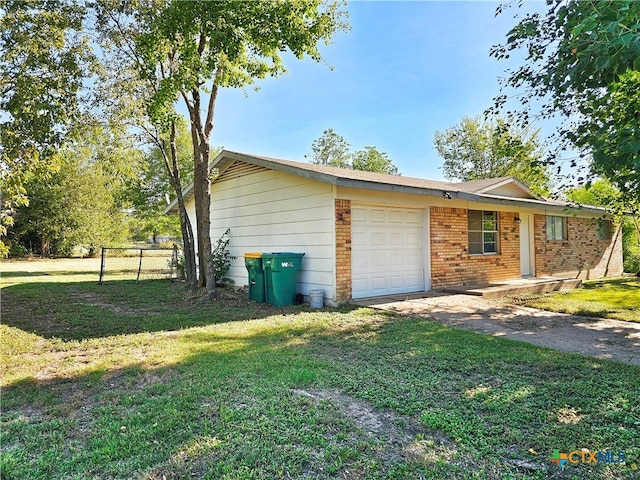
[
  {"x": 446, "y": 195},
  {"x": 518, "y": 221}
]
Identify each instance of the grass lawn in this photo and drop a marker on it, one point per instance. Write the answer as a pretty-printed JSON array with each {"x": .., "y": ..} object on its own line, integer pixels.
[
  {"x": 140, "y": 380},
  {"x": 617, "y": 298}
]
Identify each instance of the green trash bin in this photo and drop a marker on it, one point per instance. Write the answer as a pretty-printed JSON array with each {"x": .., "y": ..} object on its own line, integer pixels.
[
  {"x": 253, "y": 262},
  {"x": 281, "y": 277}
]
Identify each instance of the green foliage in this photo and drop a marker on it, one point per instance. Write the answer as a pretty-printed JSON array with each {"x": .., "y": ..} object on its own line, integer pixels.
[
  {"x": 80, "y": 199},
  {"x": 188, "y": 50},
  {"x": 613, "y": 135},
  {"x": 44, "y": 58},
  {"x": 600, "y": 193},
  {"x": 372, "y": 160},
  {"x": 476, "y": 149},
  {"x": 232, "y": 43},
  {"x": 150, "y": 226},
  {"x": 221, "y": 258},
  {"x": 583, "y": 62},
  {"x": 630, "y": 246},
  {"x": 18, "y": 251},
  {"x": 333, "y": 150},
  {"x": 152, "y": 187}
]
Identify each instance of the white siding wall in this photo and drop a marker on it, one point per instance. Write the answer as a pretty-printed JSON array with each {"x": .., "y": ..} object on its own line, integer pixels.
[
  {"x": 271, "y": 211},
  {"x": 191, "y": 213}
]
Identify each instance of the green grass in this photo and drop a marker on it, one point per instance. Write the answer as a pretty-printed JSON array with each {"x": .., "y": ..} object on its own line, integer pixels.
[
  {"x": 140, "y": 380},
  {"x": 617, "y": 298}
]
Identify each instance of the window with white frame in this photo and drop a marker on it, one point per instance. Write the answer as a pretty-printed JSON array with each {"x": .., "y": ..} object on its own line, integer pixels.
[
  {"x": 556, "y": 228},
  {"x": 483, "y": 232},
  {"x": 604, "y": 229}
]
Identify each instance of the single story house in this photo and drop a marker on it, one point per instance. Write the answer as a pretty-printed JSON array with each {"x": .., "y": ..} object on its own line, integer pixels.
[{"x": 366, "y": 234}]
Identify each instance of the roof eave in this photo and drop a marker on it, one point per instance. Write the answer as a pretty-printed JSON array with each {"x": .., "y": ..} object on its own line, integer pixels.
[
  {"x": 528, "y": 203},
  {"x": 229, "y": 156},
  {"x": 388, "y": 187}
]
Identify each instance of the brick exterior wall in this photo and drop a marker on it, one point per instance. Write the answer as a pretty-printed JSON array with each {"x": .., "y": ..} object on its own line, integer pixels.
[
  {"x": 343, "y": 250},
  {"x": 582, "y": 255},
  {"x": 451, "y": 263}
]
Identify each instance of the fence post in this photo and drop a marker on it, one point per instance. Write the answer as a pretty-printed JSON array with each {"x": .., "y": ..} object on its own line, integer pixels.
[
  {"x": 174, "y": 262},
  {"x": 101, "y": 265},
  {"x": 139, "y": 266}
]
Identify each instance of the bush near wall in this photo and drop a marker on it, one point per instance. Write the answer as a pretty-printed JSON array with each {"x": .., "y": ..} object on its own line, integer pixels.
[{"x": 630, "y": 246}]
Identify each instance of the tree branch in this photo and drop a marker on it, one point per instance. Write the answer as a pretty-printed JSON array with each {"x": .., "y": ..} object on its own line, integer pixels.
[{"x": 208, "y": 126}]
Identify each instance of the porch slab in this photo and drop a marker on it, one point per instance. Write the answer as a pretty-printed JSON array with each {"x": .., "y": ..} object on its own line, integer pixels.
[{"x": 523, "y": 286}]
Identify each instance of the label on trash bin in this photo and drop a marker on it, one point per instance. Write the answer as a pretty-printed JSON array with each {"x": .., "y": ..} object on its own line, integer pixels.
[{"x": 286, "y": 264}]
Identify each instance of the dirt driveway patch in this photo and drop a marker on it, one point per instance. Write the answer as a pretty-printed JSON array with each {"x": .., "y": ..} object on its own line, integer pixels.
[{"x": 600, "y": 338}]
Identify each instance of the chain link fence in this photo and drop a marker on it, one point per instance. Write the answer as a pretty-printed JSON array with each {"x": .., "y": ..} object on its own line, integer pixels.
[{"x": 138, "y": 264}]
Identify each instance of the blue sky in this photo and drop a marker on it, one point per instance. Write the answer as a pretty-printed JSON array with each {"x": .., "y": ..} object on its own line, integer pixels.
[{"x": 404, "y": 71}]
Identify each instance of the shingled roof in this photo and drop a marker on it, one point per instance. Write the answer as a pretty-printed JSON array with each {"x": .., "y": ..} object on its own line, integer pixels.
[{"x": 487, "y": 190}]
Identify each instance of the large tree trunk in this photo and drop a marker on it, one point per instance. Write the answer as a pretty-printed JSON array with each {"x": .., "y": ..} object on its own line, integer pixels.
[
  {"x": 200, "y": 135},
  {"x": 202, "y": 194},
  {"x": 171, "y": 163},
  {"x": 188, "y": 248},
  {"x": 210, "y": 272},
  {"x": 44, "y": 247}
]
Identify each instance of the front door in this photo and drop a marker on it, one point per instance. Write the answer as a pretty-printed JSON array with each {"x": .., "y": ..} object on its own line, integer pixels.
[{"x": 526, "y": 244}]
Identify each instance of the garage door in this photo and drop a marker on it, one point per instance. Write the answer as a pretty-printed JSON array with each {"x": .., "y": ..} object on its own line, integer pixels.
[{"x": 386, "y": 251}]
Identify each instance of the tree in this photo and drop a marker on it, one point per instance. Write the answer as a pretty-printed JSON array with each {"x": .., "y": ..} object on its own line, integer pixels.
[
  {"x": 81, "y": 199},
  {"x": 582, "y": 64},
  {"x": 189, "y": 50},
  {"x": 151, "y": 189},
  {"x": 476, "y": 149},
  {"x": 44, "y": 58},
  {"x": 372, "y": 160},
  {"x": 331, "y": 149},
  {"x": 122, "y": 95}
]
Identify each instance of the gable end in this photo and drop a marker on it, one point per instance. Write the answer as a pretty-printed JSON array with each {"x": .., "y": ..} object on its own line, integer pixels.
[{"x": 238, "y": 169}]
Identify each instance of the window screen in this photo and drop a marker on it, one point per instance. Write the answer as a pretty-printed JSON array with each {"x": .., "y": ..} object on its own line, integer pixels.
[
  {"x": 483, "y": 232},
  {"x": 556, "y": 228},
  {"x": 604, "y": 229}
]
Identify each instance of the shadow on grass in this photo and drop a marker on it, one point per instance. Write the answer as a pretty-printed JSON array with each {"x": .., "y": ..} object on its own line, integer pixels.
[
  {"x": 84, "y": 310},
  {"x": 229, "y": 405}
]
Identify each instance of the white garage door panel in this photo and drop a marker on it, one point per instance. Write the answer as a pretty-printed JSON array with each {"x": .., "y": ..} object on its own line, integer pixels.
[
  {"x": 386, "y": 252},
  {"x": 415, "y": 281},
  {"x": 377, "y": 215}
]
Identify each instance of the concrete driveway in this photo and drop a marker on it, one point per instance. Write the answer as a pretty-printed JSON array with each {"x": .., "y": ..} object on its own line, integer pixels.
[{"x": 600, "y": 338}]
